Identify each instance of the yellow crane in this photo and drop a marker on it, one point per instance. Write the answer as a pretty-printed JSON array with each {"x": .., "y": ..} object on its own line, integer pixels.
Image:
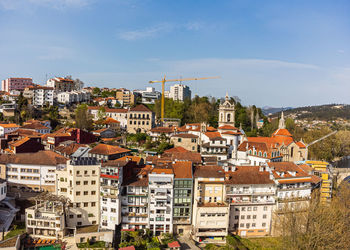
[{"x": 163, "y": 81}]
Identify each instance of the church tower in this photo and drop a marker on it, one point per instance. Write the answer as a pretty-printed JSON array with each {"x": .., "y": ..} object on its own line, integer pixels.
[
  {"x": 227, "y": 112},
  {"x": 281, "y": 123}
]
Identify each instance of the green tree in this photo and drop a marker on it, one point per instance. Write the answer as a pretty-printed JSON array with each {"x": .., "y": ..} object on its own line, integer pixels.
[
  {"x": 83, "y": 119},
  {"x": 96, "y": 91}
]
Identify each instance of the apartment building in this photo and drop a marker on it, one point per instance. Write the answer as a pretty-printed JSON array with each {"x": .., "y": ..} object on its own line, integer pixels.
[
  {"x": 111, "y": 180},
  {"x": 39, "y": 95},
  {"x": 125, "y": 97},
  {"x": 105, "y": 152},
  {"x": 183, "y": 193},
  {"x": 140, "y": 119},
  {"x": 46, "y": 219},
  {"x": 161, "y": 188},
  {"x": 149, "y": 96},
  {"x": 79, "y": 181},
  {"x": 135, "y": 201},
  {"x": 294, "y": 185},
  {"x": 69, "y": 98},
  {"x": 214, "y": 145},
  {"x": 250, "y": 191},
  {"x": 60, "y": 84},
  {"x": 179, "y": 92},
  {"x": 210, "y": 210},
  {"x": 14, "y": 83},
  {"x": 32, "y": 171}
]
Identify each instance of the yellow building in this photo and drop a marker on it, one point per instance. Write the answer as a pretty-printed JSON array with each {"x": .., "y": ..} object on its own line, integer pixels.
[{"x": 322, "y": 169}]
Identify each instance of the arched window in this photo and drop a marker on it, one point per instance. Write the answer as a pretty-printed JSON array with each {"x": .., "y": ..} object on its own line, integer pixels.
[
  {"x": 228, "y": 117},
  {"x": 265, "y": 155},
  {"x": 255, "y": 152},
  {"x": 250, "y": 152},
  {"x": 259, "y": 153},
  {"x": 222, "y": 117}
]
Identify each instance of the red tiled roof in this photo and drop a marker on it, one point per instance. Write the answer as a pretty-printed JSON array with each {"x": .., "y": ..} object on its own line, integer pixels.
[
  {"x": 176, "y": 150},
  {"x": 127, "y": 248},
  {"x": 209, "y": 172},
  {"x": 227, "y": 127},
  {"x": 140, "y": 108},
  {"x": 231, "y": 133},
  {"x": 34, "y": 125},
  {"x": 174, "y": 244},
  {"x": 49, "y": 158},
  {"x": 182, "y": 169},
  {"x": 104, "y": 149},
  {"x": 185, "y": 136},
  {"x": 213, "y": 135},
  {"x": 282, "y": 132},
  {"x": 300, "y": 144},
  {"x": 163, "y": 129},
  {"x": 248, "y": 175}
]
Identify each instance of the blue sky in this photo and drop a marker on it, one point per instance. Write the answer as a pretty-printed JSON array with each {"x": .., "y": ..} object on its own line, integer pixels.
[{"x": 277, "y": 53}]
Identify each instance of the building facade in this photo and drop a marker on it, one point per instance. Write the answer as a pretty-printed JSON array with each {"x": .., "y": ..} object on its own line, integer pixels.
[
  {"x": 15, "y": 84},
  {"x": 179, "y": 92},
  {"x": 140, "y": 120}
]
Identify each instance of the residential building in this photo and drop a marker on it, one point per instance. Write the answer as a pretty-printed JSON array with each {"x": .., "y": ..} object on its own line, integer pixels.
[
  {"x": 214, "y": 145},
  {"x": 135, "y": 199},
  {"x": 180, "y": 92},
  {"x": 183, "y": 194},
  {"x": 251, "y": 192},
  {"x": 25, "y": 145},
  {"x": 7, "y": 128},
  {"x": 111, "y": 181},
  {"x": 79, "y": 181},
  {"x": 161, "y": 181},
  {"x": 161, "y": 133},
  {"x": 104, "y": 133},
  {"x": 14, "y": 83},
  {"x": 125, "y": 97},
  {"x": 227, "y": 112},
  {"x": 140, "y": 119},
  {"x": 39, "y": 95},
  {"x": 69, "y": 98},
  {"x": 189, "y": 142},
  {"x": 60, "y": 84},
  {"x": 105, "y": 152},
  {"x": 37, "y": 127},
  {"x": 31, "y": 171},
  {"x": 46, "y": 219},
  {"x": 294, "y": 185},
  {"x": 210, "y": 210},
  {"x": 117, "y": 114}
]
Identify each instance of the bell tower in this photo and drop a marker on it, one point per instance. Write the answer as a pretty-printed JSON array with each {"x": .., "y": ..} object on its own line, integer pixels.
[{"x": 227, "y": 112}]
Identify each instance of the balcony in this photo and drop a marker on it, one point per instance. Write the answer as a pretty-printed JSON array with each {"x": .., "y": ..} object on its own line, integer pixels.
[{"x": 162, "y": 196}]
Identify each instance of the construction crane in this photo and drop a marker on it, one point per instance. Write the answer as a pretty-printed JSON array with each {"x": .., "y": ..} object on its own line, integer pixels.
[{"x": 163, "y": 81}]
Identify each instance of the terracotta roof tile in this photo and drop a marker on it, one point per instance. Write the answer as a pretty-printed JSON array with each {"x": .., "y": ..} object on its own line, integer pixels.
[
  {"x": 248, "y": 175},
  {"x": 49, "y": 158},
  {"x": 163, "y": 129},
  {"x": 209, "y": 172},
  {"x": 227, "y": 127},
  {"x": 182, "y": 169},
  {"x": 140, "y": 108},
  {"x": 176, "y": 150},
  {"x": 34, "y": 125},
  {"x": 185, "y": 136},
  {"x": 105, "y": 149},
  {"x": 213, "y": 135}
]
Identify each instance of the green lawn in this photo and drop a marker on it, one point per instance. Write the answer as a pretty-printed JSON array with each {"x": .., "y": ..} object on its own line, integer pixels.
[
  {"x": 264, "y": 243},
  {"x": 16, "y": 230}
]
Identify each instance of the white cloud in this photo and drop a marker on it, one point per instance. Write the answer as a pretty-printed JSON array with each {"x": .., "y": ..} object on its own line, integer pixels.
[
  {"x": 340, "y": 51},
  {"x": 57, "y": 4},
  {"x": 53, "y": 53},
  {"x": 158, "y": 30},
  {"x": 146, "y": 33}
]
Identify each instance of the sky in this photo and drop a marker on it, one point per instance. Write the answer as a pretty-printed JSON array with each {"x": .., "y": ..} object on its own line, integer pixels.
[{"x": 268, "y": 53}]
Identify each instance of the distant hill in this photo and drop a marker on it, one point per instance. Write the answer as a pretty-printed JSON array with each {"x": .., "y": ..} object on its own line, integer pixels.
[
  {"x": 322, "y": 112},
  {"x": 271, "y": 110}
]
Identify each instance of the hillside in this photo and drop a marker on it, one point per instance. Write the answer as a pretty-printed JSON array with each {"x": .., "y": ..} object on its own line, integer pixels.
[
  {"x": 327, "y": 112},
  {"x": 272, "y": 110}
]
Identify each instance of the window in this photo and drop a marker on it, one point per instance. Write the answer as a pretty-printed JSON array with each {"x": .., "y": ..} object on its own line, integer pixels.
[
  {"x": 86, "y": 204},
  {"x": 264, "y": 216},
  {"x": 236, "y": 217},
  {"x": 85, "y": 172},
  {"x": 248, "y": 217},
  {"x": 86, "y": 193},
  {"x": 179, "y": 140},
  {"x": 94, "y": 192},
  {"x": 242, "y": 217},
  {"x": 265, "y": 208},
  {"x": 249, "y": 208},
  {"x": 254, "y": 216},
  {"x": 78, "y": 172},
  {"x": 77, "y": 193},
  {"x": 77, "y": 182},
  {"x": 86, "y": 183},
  {"x": 93, "y": 204},
  {"x": 241, "y": 225},
  {"x": 263, "y": 224},
  {"x": 253, "y": 225},
  {"x": 255, "y": 208},
  {"x": 78, "y": 215},
  {"x": 71, "y": 216},
  {"x": 93, "y": 182},
  {"x": 93, "y": 172}
]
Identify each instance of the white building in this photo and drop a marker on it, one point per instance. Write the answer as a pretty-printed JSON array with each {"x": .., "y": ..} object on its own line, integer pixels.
[
  {"x": 180, "y": 92},
  {"x": 32, "y": 171},
  {"x": 250, "y": 191},
  {"x": 121, "y": 115},
  {"x": 111, "y": 180},
  {"x": 73, "y": 97},
  {"x": 40, "y": 95},
  {"x": 161, "y": 200}
]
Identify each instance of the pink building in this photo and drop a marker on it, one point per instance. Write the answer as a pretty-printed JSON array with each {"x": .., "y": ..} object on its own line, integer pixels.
[{"x": 16, "y": 84}]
